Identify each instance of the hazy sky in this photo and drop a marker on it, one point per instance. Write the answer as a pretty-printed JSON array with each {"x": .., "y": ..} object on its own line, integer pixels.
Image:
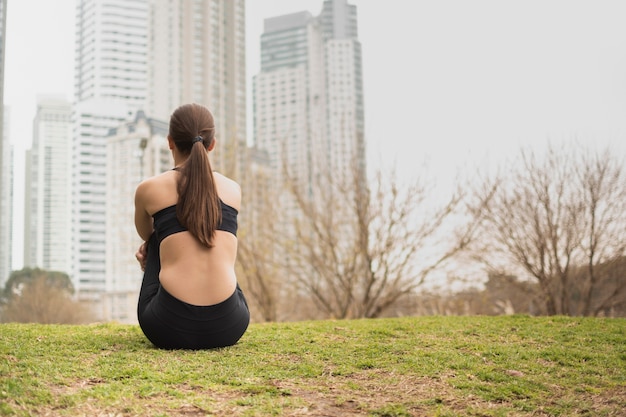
[{"x": 451, "y": 82}]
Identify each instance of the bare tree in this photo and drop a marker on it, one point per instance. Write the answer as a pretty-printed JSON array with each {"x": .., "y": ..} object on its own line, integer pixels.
[
  {"x": 39, "y": 296},
  {"x": 357, "y": 249},
  {"x": 256, "y": 266},
  {"x": 557, "y": 219},
  {"x": 256, "y": 271}
]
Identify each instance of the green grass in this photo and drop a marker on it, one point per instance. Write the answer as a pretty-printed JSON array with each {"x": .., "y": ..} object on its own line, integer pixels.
[{"x": 430, "y": 366}]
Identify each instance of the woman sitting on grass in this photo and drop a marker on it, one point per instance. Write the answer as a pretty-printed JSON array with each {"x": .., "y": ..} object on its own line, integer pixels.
[{"x": 189, "y": 296}]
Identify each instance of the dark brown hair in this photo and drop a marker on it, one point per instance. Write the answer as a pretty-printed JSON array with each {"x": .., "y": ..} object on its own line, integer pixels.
[{"x": 198, "y": 208}]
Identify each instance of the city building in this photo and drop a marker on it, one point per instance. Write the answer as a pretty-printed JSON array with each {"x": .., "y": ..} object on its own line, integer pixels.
[
  {"x": 47, "y": 195},
  {"x": 93, "y": 119},
  {"x": 345, "y": 141},
  {"x": 111, "y": 60},
  {"x": 111, "y": 67},
  {"x": 198, "y": 55},
  {"x": 135, "y": 150},
  {"x": 308, "y": 96},
  {"x": 6, "y": 204},
  {"x": 6, "y": 193}
]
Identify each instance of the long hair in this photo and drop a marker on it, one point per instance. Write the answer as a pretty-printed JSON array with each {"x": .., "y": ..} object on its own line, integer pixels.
[{"x": 198, "y": 208}]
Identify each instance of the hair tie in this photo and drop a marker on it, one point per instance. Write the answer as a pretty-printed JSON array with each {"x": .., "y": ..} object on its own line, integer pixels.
[{"x": 197, "y": 139}]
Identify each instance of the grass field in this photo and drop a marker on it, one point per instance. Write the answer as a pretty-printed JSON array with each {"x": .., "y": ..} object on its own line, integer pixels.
[{"x": 424, "y": 366}]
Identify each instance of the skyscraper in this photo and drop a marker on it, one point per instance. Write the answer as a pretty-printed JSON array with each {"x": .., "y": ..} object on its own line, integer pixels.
[
  {"x": 112, "y": 50},
  {"x": 197, "y": 55},
  {"x": 286, "y": 95},
  {"x": 6, "y": 199},
  {"x": 110, "y": 85},
  {"x": 47, "y": 205},
  {"x": 345, "y": 142},
  {"x": 308, "y": 97}
]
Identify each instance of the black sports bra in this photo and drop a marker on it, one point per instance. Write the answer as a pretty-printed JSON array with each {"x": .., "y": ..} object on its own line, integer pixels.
[{"x": 166, "y": 223}]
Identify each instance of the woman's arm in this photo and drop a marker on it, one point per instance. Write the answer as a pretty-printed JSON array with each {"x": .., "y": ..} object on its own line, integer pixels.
[
  {"x": 143, "y": 220},
  {"x": 142, "y": 255}
]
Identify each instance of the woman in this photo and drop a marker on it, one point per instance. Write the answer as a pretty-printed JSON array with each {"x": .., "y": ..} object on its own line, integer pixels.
[{"x": 187, "y": 217}]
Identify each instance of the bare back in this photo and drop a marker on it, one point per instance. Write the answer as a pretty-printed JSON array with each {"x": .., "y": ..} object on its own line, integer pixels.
[{"x": 190, "y": 271}]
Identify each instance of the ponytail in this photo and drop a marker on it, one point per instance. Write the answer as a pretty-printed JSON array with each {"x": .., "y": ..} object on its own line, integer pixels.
[{"x": 198, "y": 208}]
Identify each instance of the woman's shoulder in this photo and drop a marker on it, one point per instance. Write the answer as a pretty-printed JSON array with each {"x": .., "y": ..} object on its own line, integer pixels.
[
  {"x": 224, "y": 180},
  {"x": 229, "y": 190},
  {"x": 157, "y": 190},
  {"x": 157, "y": 180}
]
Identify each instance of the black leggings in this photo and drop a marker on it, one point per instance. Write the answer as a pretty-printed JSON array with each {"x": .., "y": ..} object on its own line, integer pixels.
[{"x": 170, "y": 323}]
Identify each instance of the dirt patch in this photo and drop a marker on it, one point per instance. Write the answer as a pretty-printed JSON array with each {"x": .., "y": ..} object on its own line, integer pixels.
[
  {"x": 362, "y": 393},
  {"x": 354, "y": 395},
  {"x": 368, "y": 392},
  {"x": 76, "y": 386}
]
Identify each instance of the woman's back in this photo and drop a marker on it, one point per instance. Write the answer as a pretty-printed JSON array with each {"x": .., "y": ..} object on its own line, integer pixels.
[{"x": 190, "y": 271}]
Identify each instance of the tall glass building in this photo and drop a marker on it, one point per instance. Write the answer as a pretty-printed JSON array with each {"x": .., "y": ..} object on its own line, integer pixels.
[{"x": 308, "y": 97}]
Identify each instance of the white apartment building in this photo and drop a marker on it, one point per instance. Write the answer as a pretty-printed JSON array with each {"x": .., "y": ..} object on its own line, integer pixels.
[
  {"x": 48, "y": 197},
  {"x": 344, "y": 115},
  {"x": 93, "y": 121},
  {"x": 135, "y": 150},
  {"x": 110, "y": 86},
  {"x": 112, "y": 50}
]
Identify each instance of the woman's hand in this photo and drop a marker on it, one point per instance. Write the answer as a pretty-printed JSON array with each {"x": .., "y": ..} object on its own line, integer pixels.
[{"x": 142, "y": 255}]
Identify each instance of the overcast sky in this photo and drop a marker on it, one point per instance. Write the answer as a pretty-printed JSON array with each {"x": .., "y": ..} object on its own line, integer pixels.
[{"x": 451, "y": 82}]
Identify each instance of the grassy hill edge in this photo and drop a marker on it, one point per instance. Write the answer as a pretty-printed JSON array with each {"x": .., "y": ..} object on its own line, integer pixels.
[{"x": 439, "y": 366}]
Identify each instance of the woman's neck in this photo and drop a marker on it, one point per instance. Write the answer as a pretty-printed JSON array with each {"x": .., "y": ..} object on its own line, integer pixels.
[{"x": 179, "y": 159}]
